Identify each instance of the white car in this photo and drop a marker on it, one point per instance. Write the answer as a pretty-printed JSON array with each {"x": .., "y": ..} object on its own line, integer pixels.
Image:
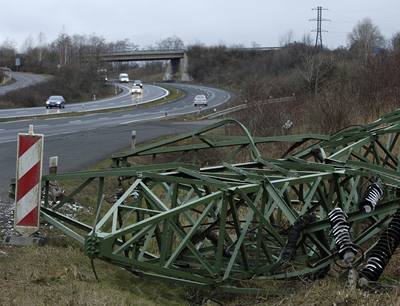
[
  {"x": 200, "y": 100},
  {"x": 123, "y": 78},
  {"x": 136, "y": 90}
]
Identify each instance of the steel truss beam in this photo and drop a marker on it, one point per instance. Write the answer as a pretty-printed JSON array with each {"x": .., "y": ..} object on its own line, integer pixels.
[{"x": 217, "y": 225}]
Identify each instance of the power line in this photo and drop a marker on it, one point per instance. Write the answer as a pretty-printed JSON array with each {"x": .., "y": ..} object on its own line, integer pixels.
[{"x": 319, "y": 30}]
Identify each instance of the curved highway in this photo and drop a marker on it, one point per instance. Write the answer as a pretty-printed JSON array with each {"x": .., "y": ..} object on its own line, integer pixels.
[
  {"x": 150, "y": 93},
  {"x": 22, "y": 80},
  {"x": 81, "y": 141}
]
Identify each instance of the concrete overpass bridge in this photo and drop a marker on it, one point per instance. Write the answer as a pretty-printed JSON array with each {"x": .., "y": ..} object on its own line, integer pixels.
[{"x": 177, "y": 59}]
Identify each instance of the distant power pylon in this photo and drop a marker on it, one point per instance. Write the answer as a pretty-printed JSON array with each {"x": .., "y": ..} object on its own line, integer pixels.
[{"x": 319, "y": 30}]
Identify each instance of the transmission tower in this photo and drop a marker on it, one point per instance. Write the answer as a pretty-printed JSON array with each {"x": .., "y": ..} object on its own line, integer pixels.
[{"x": 319, "y": 30}]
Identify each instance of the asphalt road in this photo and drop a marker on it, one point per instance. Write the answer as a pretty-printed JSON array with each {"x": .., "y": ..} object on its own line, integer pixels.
[
  {"x": 150, "y": 93},
  {"x": 83, "y": 141},
  {"x": 22, "y": 79}
]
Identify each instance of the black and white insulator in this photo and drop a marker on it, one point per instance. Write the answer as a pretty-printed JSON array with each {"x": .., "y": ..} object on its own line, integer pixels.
[
  {"x": 371, "y": 197},
  {"x": 378, "y": 257},
  {"x": 341, "y": 233},
  {"x": 135, "y": 194}
]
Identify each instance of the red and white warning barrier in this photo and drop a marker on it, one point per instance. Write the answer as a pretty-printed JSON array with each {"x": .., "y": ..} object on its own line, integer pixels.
[{"x": 28, "y": 181}]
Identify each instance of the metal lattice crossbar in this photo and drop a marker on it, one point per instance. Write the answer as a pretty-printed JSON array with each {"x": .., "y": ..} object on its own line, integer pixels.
[{"x": 217, "y": 225}]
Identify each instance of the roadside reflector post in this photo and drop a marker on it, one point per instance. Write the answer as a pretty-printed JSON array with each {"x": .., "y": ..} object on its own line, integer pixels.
[
  {"x": 133, "y": 140},
  {"x": 53, "y": 164},
  {"x": 28, "y": 182}
]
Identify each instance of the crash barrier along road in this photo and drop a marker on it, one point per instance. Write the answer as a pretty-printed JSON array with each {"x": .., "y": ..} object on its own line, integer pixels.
[{"x": 328, "y": 199}]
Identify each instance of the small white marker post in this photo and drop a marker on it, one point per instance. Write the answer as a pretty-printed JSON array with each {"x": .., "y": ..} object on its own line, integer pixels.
[
  {"x": 133, "y": 140},
  {"x": 53, "y": 164}
]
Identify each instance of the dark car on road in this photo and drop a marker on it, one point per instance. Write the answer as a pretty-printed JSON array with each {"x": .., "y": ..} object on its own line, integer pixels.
[
  {"x": 138, "y": 83},
  {"x": 55, "y": 101}
]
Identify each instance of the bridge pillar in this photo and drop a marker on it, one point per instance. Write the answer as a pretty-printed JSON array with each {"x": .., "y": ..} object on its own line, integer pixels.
[
  {"x": 184, "y": 65},
  {"x": 175, "y": 65},
  {"x": 177, "y": 69},
  {"x": 168, "y": 76}
]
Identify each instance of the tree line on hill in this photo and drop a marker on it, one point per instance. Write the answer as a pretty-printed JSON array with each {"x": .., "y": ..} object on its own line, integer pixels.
[
  {"x": 333, "y": 87},
  {"x": 73, "y": 61}
]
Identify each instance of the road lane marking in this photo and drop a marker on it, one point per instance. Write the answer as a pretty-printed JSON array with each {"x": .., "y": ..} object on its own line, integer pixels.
[{"x": 141, "y": 120}]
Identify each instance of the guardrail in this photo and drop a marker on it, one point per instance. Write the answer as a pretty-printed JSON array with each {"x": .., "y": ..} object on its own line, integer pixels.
[{"x": 246, "y": 105}]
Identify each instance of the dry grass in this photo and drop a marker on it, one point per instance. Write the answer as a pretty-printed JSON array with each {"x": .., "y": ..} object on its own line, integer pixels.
[
  {"x": 330, "y": 291},
  {"x": 61, "y": 275}
]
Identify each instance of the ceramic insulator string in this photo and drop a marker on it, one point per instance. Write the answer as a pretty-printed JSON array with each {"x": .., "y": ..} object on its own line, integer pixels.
[
  {"x": 341, "y": 233},
  {"x": 379, "y": 256},
  {"x": 371, "y": 197}
]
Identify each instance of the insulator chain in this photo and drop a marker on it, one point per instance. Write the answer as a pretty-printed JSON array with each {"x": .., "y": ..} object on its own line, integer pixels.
[
  {"x": 380, "y": 254},
  {"x": 294, "y": 234},
  {"x": 341, "y": 233},
  {"x": 371, "y": 197}
]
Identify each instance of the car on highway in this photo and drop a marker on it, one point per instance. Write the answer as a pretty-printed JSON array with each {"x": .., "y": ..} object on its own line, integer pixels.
[
  {"x": 55, "y": 101},
  {"x": 123, "y": 78},
  {"x": 136, "y": 90},
  {"x": 138, "y": 83},
  {"x": 200, "y": 100}
]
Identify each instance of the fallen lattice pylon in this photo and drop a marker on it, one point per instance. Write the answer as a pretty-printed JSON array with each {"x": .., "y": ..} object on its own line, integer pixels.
[{"x": 262, "y": 219}]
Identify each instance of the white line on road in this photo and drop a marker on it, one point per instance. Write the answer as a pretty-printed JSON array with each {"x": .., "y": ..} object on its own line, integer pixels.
[{"x": 141, "y": 120}]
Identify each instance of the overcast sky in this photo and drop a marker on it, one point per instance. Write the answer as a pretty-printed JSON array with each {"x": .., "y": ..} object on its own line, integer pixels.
[{"x": 145, "y": 22}]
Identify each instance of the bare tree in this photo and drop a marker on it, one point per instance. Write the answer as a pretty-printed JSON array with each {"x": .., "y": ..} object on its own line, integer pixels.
[
  {"x": 307, "y": 40},
  {"x": 41, "y": 45},
  {"x": 63, "y": 45},
  {"x": 365, "y": 37},
  {"x": 171, "y": 43},
  {"x": 286, "y": 39},
  {"x": 27, "y": 45},
  {"x": 315, "y": 69},
  {"x": 7, "y": 53},
  {"x": 396, "y": 41}
]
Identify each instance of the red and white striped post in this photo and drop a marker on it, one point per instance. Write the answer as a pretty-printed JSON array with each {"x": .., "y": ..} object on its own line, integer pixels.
[{"x": 28, "y": 182}]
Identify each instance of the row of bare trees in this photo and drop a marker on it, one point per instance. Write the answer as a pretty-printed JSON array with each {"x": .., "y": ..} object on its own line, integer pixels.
[
  {"x": 73, "y": 61},
  {"x": 42, "y": 56},
  {"x": 333, "y": 88}
]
